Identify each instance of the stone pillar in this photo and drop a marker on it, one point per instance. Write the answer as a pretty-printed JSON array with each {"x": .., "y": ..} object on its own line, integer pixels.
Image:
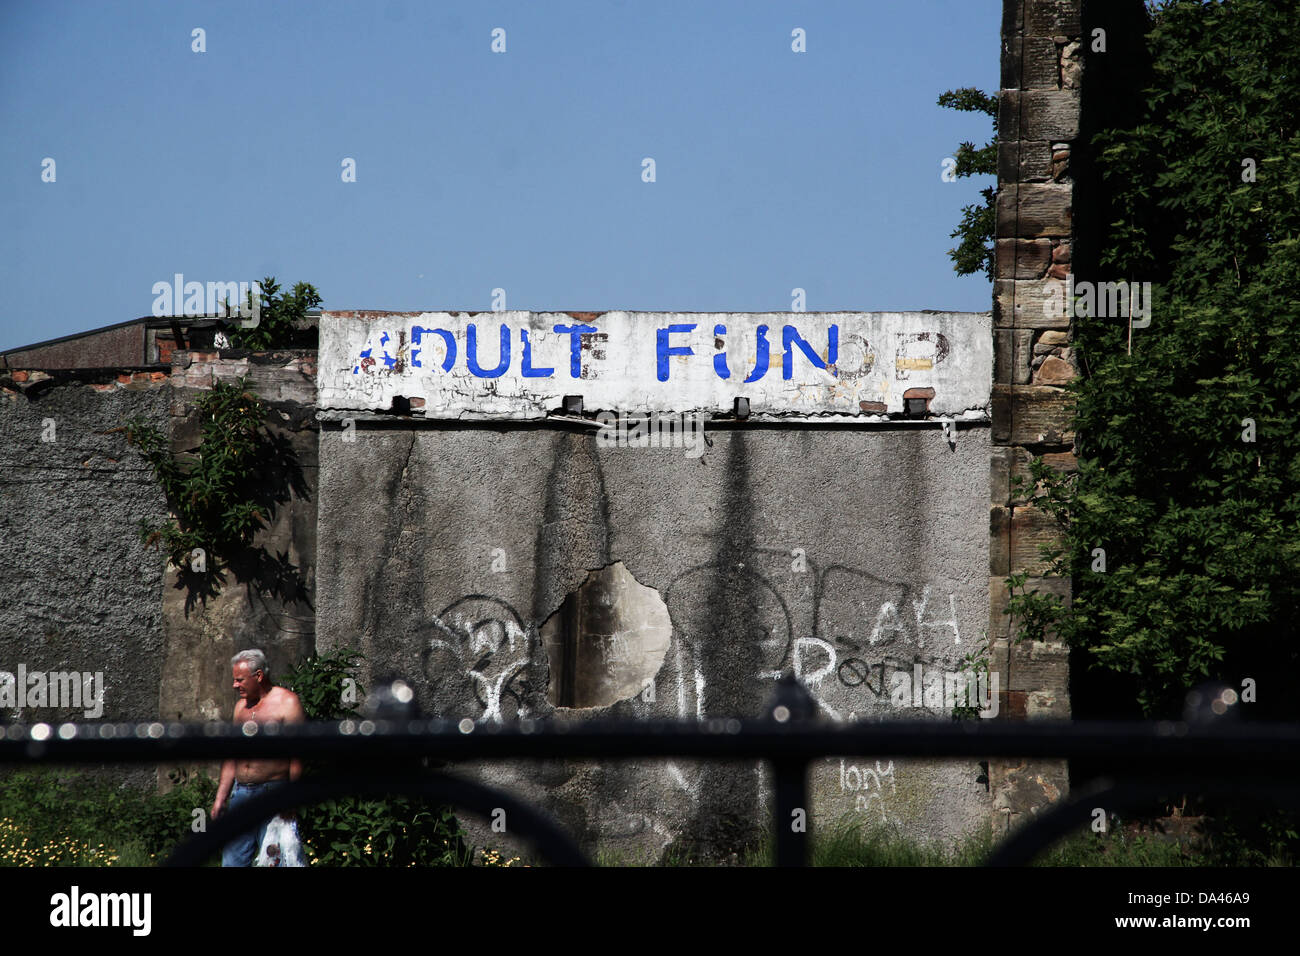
[{"x": 1038, "y": 123}]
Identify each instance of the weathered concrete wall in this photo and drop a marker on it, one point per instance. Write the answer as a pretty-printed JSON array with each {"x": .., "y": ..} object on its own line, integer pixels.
[
  {"x": 453, "y": 554},
  {"x": 845, "y": 555},
  {"x": 267, "y": 597},
  {"x": 78, "y": 591}
]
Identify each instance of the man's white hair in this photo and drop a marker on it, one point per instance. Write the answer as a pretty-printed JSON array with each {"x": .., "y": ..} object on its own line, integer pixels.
[{"x": 255, "y": 660}]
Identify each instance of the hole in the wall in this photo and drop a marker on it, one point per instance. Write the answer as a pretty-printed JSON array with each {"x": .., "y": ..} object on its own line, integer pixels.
[{"x": 607, "y": 641}]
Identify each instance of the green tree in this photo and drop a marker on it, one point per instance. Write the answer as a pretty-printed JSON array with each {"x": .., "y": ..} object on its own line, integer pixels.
[
  {"x": 975, "y": 252},
  {"x": 1189, "y": 478},
  {"x": 221, "y": 494},
  {"x": 283, "y": 317}
]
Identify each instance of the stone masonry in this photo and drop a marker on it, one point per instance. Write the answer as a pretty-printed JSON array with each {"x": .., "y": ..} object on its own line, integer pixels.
[{"x": 1038, "y": 123}]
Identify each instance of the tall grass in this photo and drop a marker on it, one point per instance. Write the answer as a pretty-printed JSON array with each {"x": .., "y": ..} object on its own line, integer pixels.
[{"x": 856, "y": 844}]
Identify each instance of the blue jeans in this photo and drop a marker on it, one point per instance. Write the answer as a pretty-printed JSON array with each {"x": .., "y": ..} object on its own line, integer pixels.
[{"x": 243, "y": 849}]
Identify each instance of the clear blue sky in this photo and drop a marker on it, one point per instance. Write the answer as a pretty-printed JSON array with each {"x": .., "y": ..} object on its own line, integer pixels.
[{"x": 477, "y": 170}]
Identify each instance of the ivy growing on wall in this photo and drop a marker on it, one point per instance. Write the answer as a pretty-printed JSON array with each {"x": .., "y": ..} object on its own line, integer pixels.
[
  {"x": 221, "y": 493},
  {"x": 213, "y": 512}
]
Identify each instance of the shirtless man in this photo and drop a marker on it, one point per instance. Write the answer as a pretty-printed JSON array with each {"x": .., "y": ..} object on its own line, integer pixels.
[{"x": 241, "y": 780}]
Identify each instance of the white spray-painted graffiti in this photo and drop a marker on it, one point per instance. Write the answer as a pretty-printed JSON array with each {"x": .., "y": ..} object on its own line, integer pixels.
[
  {"x": 851, "y": 638},
  {"x": 866, "y": 787},
  {"x": 483, "y": 640},
  {"x": 865, "y": 634}
]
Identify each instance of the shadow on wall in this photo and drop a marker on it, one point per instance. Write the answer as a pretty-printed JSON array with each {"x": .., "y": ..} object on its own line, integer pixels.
[{"x": 262, "y": 569}]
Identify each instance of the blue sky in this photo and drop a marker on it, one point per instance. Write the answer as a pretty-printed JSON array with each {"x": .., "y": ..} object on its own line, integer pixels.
[{"x": 478, "y": 170}]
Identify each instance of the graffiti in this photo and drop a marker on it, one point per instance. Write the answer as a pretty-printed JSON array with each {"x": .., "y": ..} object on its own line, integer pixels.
[
  {"x": 861, "y": 629},
  {"x": 865, "y": 636},
  {"x": 920, "y": 351},
  {"x": 853, "y": 672},
  {"x": 867, "y": 787},
  {"x": 483, "y": 642}
]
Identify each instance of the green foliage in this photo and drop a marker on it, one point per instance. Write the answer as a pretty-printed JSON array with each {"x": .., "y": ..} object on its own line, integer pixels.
[
  {"x": 1201, "y": 528},
  {"x": 396, "y": 831},
  {"x": 163, "y": 820},
  {"x": 1088, "y": 849},
  {"x": 978, "y": 663},
  {"x": 213, "y": 495},
  {"x": 280, "y": 319},
  {"x": 320, "y": 681},
  {"x": 852, "y": 843},
  {"x": 1200, "y": 525},
  {"x": 1251, "y": 836},
  {"x": 975, "y": 251},
  {"x": 79, "y": 819}
]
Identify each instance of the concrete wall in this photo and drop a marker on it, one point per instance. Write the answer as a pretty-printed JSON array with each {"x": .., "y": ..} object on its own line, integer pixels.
[
  {"x": 267, "y": 597},
  {"x": 78, "y": 591},
  {"x": 845, "y": 555}
]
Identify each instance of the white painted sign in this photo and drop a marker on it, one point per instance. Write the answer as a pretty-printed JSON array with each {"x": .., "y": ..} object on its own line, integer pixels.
[{"x": 521, "y": 365}]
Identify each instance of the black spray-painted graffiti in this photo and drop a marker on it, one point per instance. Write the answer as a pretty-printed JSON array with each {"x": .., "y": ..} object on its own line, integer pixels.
[
  {"x": 842, "y": 631},
  {"x": 857, "y": 631}
]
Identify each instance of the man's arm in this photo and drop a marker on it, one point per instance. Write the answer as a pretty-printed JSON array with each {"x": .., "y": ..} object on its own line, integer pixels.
[
  {"x": 224, "y": 788},
  {"x": 294, "y": 714},
  {"x": 227, "y": 773}
]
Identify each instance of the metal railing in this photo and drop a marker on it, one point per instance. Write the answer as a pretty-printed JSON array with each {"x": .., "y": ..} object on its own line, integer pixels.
[{"x": 1146, "y": 761}]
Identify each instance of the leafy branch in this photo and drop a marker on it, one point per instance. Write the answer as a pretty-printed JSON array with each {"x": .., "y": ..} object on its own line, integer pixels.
[
  {"x": 978, "y": 663},
  {"x": 975, "y": 252},
  {"x": 210, "y": 491},
  {"x": 282, "y": 318}
]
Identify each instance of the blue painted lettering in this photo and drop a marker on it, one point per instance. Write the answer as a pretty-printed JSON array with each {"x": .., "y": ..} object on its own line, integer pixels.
[
  {"x": 471, "y": 352},
  {"x": 526, "y": 367},
  {"x": 663, "y": 350},
  {"x": 575, "y": 333},
  {"x": 790, "y": 336}
]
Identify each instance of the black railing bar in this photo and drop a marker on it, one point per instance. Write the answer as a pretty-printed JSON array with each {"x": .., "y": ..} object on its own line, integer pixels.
[
  {"x": 790, "y": 819},
  {"x": 1243, "y": 745}
]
